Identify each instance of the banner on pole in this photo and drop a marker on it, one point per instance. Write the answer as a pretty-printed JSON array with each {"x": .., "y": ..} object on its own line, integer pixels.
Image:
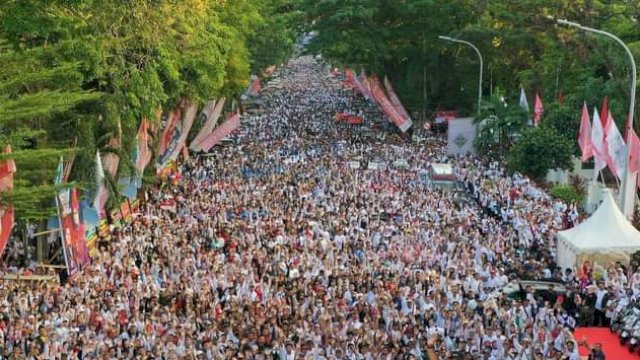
[
  {"x": 221, "y": 132},
  {"x": 7, "y": 169}
]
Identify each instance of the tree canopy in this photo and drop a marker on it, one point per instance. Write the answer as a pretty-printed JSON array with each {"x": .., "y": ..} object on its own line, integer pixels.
[
  {"x": 520, "y": 41},
  {"x": 75, "y": 74}
]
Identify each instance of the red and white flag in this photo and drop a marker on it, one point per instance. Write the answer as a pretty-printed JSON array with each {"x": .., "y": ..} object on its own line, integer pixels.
[
  {"x": 604, "y": 110},
  {"x": 538, "y": 110},
  {"x": 616, "y": 147},
  {"x": 597, "y": 143},
  {"x": 584, "y": 136},
  {"x": 7, "y": 169}
]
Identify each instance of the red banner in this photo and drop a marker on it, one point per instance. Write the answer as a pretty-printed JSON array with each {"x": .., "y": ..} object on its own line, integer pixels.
[
  {"x": 7, "y": 169},
  {"x": 212, "y": 112},
  {"x": 74, "y": 244},
  {"x": 386, "y": 106},
  {"x": 221, "y": 132}
]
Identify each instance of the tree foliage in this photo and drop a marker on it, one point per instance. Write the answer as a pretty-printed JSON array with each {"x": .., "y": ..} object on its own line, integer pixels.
[
  {"x": 539, "y": 150},
  {"x": 78, "y": 73}
]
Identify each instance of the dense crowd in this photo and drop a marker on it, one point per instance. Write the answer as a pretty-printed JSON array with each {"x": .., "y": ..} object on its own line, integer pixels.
[{"x": 278, "y": 248}]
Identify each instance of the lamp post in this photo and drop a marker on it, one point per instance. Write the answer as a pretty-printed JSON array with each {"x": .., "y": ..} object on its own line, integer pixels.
[
  {"x": 447, "y": 38},
  {"x": 627, "y": 199}
]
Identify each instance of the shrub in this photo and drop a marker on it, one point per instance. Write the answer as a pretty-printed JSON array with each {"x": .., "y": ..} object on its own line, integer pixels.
[{"x": 568, "y": 194}]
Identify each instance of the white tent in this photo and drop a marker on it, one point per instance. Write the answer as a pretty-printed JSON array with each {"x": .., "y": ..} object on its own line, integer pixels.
[{"x": 605, "y": 237}]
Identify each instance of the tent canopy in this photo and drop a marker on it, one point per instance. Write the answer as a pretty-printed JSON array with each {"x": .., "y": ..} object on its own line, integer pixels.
[{"x": 606, "y": 232}]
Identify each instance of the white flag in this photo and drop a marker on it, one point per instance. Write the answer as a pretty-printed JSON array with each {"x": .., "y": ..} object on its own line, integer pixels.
[
  {"x": 616, "y": 148},
  {"x": 100, "y": 188},
  {"x": 597, "y": 139},
  {"x": 524, "y": 104}
]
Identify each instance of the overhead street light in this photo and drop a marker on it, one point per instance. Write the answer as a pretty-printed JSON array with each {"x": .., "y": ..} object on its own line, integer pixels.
[
  {"x": 628, "y": 195},
  {"x": 448, "y": 38}
]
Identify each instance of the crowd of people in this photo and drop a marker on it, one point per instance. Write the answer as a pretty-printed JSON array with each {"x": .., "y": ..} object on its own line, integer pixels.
[{"x": 279, "y": 248}]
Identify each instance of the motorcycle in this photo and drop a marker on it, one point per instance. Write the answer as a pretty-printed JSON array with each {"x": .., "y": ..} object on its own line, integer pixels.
[
  {"x": 634, "y": 342},
  {"x": 623, "y": 309},
  {"x": 629, "y": 326}
]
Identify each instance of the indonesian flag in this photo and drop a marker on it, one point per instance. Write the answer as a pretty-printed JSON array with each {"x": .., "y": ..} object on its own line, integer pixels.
[
  {"x": 538, "y": 109},
  {"x": 7, "y": 169},
  {"x": 584, "y": 136},
  {"x": 616, "y": 148},
  {"x": 597, "y": 143}
]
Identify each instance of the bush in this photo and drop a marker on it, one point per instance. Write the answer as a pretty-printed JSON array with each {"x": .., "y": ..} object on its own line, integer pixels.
[
  {"x": 566, "y": 193},
  {"x": 538, "y": 150}
]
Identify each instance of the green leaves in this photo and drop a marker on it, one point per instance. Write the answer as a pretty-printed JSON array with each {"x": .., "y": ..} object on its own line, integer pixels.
[
  {"x": 538, "y": 150},
  {"x": 77, "y": 73}
]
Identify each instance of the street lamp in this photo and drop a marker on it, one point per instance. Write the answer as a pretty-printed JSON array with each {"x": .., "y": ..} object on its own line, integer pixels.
[
  {"x": 628, "y": 200},
  {"x": 447, "y": 38}
]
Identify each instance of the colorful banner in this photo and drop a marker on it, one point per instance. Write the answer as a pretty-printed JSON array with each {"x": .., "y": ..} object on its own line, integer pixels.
[
  {"x": 91, "y": 221},
  {"x": 7, "y": 169},
  {"x": 386, "y": 106},
  {"x": 353, "y": 120},
  {"x": 170, "y": 136},
  {"x": 105, "y": 165},
  {"x": 74, "y": 244},
  {"x": 182, "y": 132},
  {"x": 212, "y": 113},
  {"x": 221, "y": 132},
  {"x": 169, "y": 129}
]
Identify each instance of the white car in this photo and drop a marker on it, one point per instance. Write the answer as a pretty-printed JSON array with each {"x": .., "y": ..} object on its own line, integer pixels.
[{"x": 516, "y": 290}]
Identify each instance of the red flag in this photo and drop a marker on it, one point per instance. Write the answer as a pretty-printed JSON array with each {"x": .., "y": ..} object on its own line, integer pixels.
[
  {"x": 604, "y": 110},
  {"x": 634, "y": 156},
  {"x": 584, "y": 136},
  {"x": 538, "y": 109},
  {"x": 7, "y": 169}
]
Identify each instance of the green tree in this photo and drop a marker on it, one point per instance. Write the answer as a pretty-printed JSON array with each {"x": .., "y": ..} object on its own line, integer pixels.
[
  {"x": 499, "y": 126},
  {"x": 75, "y": 74},
  {"x": 538, "y": 150}
]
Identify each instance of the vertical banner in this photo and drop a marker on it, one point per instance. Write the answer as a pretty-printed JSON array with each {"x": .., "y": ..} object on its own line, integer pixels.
[
  {"x": 221, "y": 132},
  {"x": 105, "y": 165},
  {"x": 209, "y": 125},
  {"x": 167, "y": 134},
  {"x": 181, "y": 133},
  {"x": 143, "y": 153},
  {"x": 386, "y": 106},
  {"x": 74, "y": 244},
  {"x": 7, "y": 169}
]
